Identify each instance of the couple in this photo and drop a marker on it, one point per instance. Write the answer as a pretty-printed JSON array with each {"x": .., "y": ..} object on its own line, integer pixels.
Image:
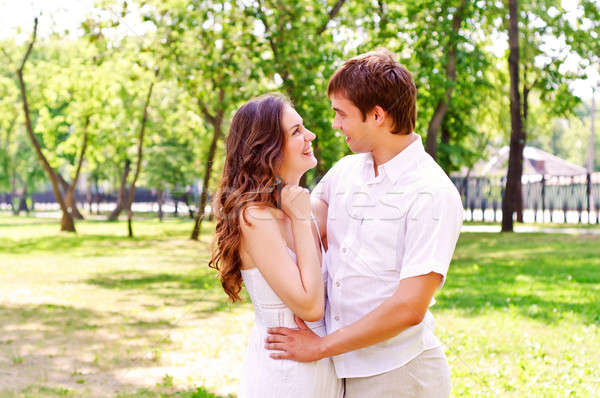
[{"x": 340, "y": 280}]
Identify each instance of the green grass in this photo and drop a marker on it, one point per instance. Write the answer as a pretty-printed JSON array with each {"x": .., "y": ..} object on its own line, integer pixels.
[
  {"x": 539, "y": 225},
  {"x": 97, "y": 314}
]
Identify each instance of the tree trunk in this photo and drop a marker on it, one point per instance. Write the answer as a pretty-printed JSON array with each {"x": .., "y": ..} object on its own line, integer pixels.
[
  {"x": 122, "y": 195},
  {"x": 445, "y": 134},
  {"x": 442, "y": 106},
  {"x": 67, "y": 223},
  {"x": 513, "y": 176},
  {"x": 522, "y": 141},
  {"x": 217, "y": 132},
  {"x": 69, "y": 198},
  {"x": 591, "y": 156},
  {"x": 23, "y": 200},
  {"x": 159, "y": 199},
  {"x": 186, "y": 199},
  {"x": 138, "y": 166},
  {"x": 8, "y": 164},
  {"x": 217, "y": 123},
  {"x": 13, "y": 184},
  {"x": 97, "y": 196},
  {"x": 319, "y": 169},
  {"x": 71, "y": 189},
  {"x": 89, "y": 198}
]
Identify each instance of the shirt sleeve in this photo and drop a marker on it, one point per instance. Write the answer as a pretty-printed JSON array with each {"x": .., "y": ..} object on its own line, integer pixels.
[{"x": 432, "y": 227}]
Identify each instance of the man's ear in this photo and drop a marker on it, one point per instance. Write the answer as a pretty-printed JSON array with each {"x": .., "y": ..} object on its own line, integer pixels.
[{"x": 379, "y": 115}]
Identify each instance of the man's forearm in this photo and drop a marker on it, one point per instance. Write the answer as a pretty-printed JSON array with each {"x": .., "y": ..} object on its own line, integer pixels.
[
  {"x": 383, "y": 323},
  {"x": 406, "y": 308}
]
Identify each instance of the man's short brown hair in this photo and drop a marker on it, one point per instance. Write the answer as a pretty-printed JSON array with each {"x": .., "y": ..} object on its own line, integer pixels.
[{"x": 376, "y": 78}]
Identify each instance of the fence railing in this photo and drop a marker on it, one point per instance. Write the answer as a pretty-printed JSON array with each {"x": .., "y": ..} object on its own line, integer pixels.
[
  {"x": 558, "y": 199},
  {"x": 555, "y": 199},
  {"x": 144, "y": 200}
]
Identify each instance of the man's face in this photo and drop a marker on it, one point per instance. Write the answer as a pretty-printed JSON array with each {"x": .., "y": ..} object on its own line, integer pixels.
[{"x": 348, "y": 119}]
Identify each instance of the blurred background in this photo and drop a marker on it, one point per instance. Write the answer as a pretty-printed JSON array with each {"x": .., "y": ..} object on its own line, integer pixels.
[
  {"x": 113, "y": 116},
  {"x": 101, "y": 72}
]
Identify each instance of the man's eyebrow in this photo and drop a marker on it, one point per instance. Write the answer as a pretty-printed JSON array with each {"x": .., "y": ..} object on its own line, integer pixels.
[{"x": 338, "y": 110}]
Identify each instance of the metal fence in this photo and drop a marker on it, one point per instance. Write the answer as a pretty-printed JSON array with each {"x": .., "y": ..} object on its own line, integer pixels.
[
  {"x": 558, "y": 199},
  {"x": 555, "y": 199}
]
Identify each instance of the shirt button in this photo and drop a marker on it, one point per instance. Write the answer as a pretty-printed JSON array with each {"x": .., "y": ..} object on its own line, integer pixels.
[
  {"x": 344, "y": 250},
  {"x": 337, "y": 318},
  {"x": 338, "y": 283}
]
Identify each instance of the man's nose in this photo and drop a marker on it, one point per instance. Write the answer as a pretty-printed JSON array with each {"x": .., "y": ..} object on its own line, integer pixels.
[{"x": 336, "y": 125}]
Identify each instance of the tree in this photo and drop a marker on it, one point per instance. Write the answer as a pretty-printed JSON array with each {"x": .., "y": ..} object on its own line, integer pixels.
[
  {"x": 173, "y": 162},
  {"x": 302, "y": 55},
  {"x": 443, "y": 103},
  {"x": 515, "y": 157},
  {"x": 67, "y": 223},
  {"x": 140, "y": 148},
  {"x": 212, "y": 56}
]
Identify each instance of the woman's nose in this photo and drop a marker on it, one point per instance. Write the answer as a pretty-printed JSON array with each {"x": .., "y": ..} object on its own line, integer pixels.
[{"x": 309, "y": 136}]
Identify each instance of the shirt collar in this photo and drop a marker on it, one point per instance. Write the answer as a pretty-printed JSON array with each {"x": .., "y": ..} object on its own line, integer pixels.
[{"x": 400, "y": 164}]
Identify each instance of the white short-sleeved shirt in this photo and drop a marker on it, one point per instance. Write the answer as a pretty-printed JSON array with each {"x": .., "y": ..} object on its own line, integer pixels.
[{"x": 403, "y": 223}]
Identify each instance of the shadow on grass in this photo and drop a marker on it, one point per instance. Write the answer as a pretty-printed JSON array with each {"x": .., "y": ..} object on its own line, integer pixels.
[
  {"x": 106, "y": 238},
  {"x": 93, "y": 245},
  {"x": 546, "y": 278},
  {"x": 199, "y": 392},
  {"x": 200, "y": 288},
  {"x": 34, "y": 222},
  {"x": 45, "y": 391},
  {"x": 50, "y": 345}
]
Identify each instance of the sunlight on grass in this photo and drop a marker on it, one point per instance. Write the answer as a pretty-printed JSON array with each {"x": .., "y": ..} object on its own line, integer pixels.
[{"x": 96, "y": 314}]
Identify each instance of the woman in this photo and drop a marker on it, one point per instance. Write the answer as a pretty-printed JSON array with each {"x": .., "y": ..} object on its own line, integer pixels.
[{"x": 276, "y": 253}]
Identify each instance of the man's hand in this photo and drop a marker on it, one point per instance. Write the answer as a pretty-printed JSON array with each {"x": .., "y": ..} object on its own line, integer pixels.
[{"x": 298, "y": 345}]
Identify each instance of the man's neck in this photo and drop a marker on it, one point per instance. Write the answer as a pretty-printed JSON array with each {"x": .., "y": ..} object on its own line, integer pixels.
[{"x": 390, "y": 147}]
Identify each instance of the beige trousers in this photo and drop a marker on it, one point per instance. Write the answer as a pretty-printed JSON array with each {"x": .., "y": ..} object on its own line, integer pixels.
[{"x": 426, "y": 376}]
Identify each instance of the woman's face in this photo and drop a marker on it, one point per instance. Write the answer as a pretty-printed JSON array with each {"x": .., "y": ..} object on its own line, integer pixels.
[{"x": 297, "y": 151}]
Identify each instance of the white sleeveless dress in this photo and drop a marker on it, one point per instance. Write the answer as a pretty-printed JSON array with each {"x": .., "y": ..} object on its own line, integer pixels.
[{"x": 265, "y": 377}]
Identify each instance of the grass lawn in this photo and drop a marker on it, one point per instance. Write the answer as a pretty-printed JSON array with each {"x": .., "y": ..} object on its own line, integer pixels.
[{"x": 100, "y": 315}]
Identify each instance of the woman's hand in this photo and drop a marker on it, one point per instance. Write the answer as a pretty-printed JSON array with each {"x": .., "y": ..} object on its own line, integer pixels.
[{"x": 295, "y": 202}]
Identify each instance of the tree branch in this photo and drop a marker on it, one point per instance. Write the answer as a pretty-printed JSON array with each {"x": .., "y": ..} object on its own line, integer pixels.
[
  {"x": 81, "y": 155},
  {"x": 332, "y": 14},
  {"x": 205, "y": 111},
  {"x": 7, "y": 55},
  {"x": 35, "y": 24},
  {"x": 263, "y": 19}
]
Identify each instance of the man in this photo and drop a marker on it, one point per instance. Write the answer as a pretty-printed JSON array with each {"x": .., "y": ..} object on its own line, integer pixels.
[{"x": 393, "y": 218}]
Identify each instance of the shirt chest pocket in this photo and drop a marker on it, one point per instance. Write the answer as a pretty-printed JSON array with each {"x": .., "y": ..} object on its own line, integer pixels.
[{"x": 379, "y": 236}]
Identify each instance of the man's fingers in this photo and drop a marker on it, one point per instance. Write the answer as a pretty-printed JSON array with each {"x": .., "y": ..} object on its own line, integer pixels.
[
  {"x": 276, "y": 346},
  {"x": 300, "y": 322},
  {"x": 278, "y": 338},
  {"x": 280, "y": 355},
  {"x": 283, "y": 331}
]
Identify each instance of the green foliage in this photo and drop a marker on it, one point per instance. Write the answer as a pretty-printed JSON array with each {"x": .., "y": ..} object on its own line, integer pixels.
[{"x": 215, "y": 55}]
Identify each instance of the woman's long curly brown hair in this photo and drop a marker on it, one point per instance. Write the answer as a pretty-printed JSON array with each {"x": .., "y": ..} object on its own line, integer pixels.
[{"x": 253, "y": 152}]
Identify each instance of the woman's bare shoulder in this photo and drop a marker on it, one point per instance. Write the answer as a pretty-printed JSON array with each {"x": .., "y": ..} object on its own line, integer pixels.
[{"x": 261, "y": 213}]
